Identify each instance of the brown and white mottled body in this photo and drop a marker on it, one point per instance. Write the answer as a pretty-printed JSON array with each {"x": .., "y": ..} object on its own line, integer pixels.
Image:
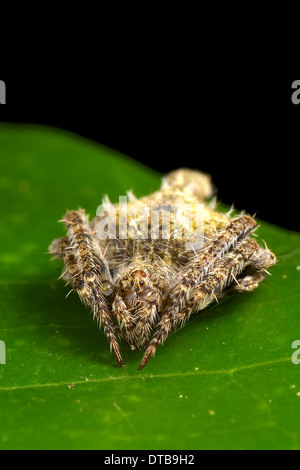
[{"x": 141, "y": 287}]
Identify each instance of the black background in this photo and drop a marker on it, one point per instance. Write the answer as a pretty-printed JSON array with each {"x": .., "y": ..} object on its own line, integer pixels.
[{"x": 240, "y": 127}]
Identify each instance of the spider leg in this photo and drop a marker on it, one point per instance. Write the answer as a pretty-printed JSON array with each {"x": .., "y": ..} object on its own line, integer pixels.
[
  {"x": 213, "y": 270},
  {"x": 147, "y": 317},
  {"x": 260, "y": 261},
  {"x": 202, "y": 295},
  {"x": 87, "y": 270},
  {"x": 125, "y": 320},
  {"x": 137, "y": 327},
  {"x": 57, "y": 249},
  {"x": 246, "y": 283}
]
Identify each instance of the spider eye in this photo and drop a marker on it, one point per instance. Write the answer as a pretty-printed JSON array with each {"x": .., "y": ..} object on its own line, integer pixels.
[
  {"x": 107, "y": 288},
  {"x": 142, "y": 283}
]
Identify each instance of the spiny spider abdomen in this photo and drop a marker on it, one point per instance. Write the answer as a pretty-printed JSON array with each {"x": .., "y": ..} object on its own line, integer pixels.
[{"x": 145, "y": 265}]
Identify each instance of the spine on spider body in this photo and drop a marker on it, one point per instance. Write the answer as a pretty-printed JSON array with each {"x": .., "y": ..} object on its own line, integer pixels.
[{"x": 156, "y": 226}]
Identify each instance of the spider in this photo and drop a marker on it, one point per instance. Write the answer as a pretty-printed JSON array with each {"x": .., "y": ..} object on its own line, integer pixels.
[{"x": 141, "y": 287}]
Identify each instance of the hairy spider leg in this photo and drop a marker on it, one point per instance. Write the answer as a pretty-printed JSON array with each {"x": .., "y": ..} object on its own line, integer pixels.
[
  {"x": 125, "y": 320},
  {"x": 86, "y": 265},
  {"x": 208, "y": 283},
  {"x": 93, "y": 267},
  {"x": 147, "y": 317},
  {"x": 255, "y": 272}
]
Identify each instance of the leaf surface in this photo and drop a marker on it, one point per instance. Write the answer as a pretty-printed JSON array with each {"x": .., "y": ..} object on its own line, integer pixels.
[{"x": 226, "y": 380}]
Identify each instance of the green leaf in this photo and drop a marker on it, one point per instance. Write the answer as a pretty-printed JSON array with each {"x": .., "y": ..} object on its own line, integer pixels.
[{"x": 224, "y": 381}]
